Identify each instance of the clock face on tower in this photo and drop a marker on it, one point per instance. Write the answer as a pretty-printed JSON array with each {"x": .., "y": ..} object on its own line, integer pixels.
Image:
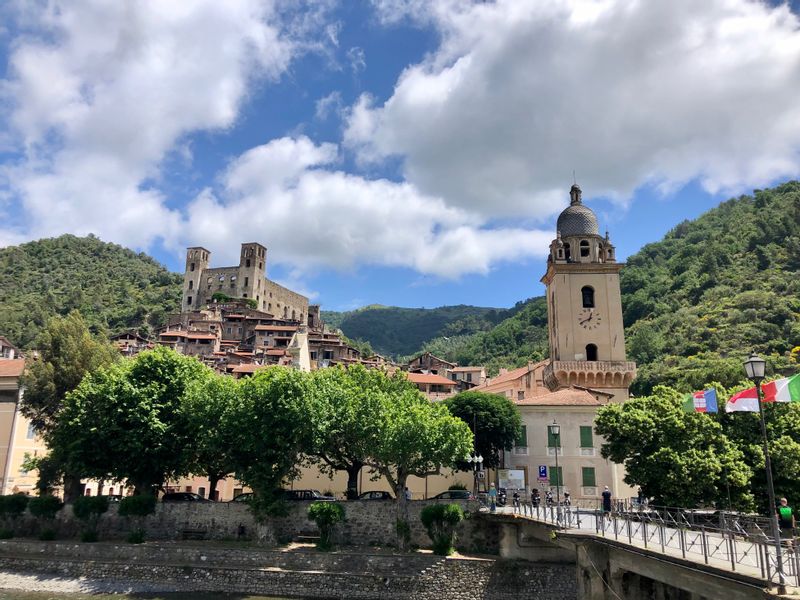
[{"x": 589, "y": 318}]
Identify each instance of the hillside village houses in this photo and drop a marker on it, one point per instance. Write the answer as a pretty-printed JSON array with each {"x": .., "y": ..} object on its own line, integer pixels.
[{"x": 237, "y": 321}]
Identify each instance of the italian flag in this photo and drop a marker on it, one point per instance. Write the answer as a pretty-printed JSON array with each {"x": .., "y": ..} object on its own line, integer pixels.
[{"x": 780, "y": 390}]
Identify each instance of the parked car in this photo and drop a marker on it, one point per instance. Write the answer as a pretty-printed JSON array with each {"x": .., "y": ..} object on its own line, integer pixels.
[
  {"x": 112, "y": 498},
  {"x": 245, "y": 497},
  {"x": 183, "y": 497},
  {"x": 306, "y": 495},
  {"x": 453, "y": 495},
  {"x": 375, "y": 496}
]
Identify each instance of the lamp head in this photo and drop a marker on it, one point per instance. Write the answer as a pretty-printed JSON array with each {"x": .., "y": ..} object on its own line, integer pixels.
[
  {"x": 479, "y": 460},
  {"x": 755, "y": 367},
  {"x": 555, "y": 429}
]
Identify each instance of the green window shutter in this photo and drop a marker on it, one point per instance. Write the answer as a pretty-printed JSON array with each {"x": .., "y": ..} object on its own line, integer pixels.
[
  {"x": 556, "y": 475},
  {"x": 553, "y": 440},
  {"x": 586, "y": 436},
  {"x": 588, "y": 477},
  {"x": 522, "y": 440}
]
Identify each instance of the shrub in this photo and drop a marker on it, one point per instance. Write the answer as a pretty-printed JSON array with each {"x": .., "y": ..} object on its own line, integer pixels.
[
  {"x": 440, "y": 521},
  {"x": 6, "y": 534},
  {"x": 137, "y": 506},
  {"x": 457, "y": 486},
  {"x": 88, "y": 509},
  {"x": 47, "y": 535},
  {"x": 13, "y": 505},
  {"x": 45, "y": 507},
  {"x": 326, "y": 515},
  {"x": 403, "y": 529}
]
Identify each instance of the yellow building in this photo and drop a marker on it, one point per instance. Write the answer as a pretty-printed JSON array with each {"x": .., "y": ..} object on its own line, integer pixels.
[{"x": 17, "y": 437}]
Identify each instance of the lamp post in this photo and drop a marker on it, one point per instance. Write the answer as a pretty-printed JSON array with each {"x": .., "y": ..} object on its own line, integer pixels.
[
  {"x": 476, "y": 461},
  {"x": 555, "y": 433},
  {"x": 755, "y": 368}
]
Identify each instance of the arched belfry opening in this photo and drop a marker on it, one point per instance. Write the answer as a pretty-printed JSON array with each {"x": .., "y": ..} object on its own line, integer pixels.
[
  {"x": 591, "y": 352},
  {"x": 587, "y": 296}
]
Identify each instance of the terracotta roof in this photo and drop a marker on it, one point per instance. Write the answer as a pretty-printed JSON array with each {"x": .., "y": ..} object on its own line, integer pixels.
[
  {"x": 229, "y": 342},
  {"x": 247, "y": 368},
  {"x": 467, "y": 369},
  {"x": 234, "y": 316},
  {"x": 433, "y": 356},
  {"x": 565, "y": 397},
  {"x": 174, "y": 334},
  {"x": 11, "y": 367},
  {"x": 275, "y": 328},
  {"x": 428, "y": 378},
  {"x": 243, "y": 353},
  {"x": 512, "y": 374},
  {"x": 195, "y": 335},
  {"x": 276, "y": 352}
]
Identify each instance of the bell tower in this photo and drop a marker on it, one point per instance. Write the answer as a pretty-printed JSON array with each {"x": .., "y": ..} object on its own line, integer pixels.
[{"x": 584, "y": 307}]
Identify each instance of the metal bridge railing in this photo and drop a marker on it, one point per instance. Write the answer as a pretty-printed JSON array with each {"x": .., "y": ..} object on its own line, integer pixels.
[{"x": 722, "y": 539}]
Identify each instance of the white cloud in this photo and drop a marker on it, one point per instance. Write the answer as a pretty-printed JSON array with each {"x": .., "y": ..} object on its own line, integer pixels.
[
  {"x": 99, "y": 93},
  {"x": 521, "y": 92},
  {"x": 287, "y": 193}
]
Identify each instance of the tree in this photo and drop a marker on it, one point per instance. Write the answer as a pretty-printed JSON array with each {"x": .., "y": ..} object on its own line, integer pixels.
[
  {"x": 495, "y": 421},
  {"x": 440, "y": 521},
  {"x": 208, "y": 403},
  {"x": 346, "y": 430},
  {"x": 327, "y": 515},
  {"x": 416, "y": 437},
  {"x": 67, "y": 352},
  {"x": 128, "y": 421},
  {"x": 678, "y": 458},
  {"x": 273, "y": 417}
]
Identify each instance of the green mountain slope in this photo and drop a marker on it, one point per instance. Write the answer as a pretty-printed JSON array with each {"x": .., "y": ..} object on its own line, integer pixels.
[
  {"x": 399, "y": 331},
  {"x": 114, "y": 288}
]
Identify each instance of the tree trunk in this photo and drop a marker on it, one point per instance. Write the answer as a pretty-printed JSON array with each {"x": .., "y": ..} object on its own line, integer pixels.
[
  {"x": 213, "y": 480},
  {"x": 352, "y": 480},
  {"x": 73, "y": 488},
  {"x": 403, "y": 524}
]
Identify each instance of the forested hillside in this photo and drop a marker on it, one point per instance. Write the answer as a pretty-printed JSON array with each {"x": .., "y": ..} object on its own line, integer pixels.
[
  {"x": 396, "y": 331},
  {"x": 114, "y": 288}
]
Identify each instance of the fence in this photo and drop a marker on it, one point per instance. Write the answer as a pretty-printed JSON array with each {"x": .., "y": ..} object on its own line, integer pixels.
[{"x": 723, "y": 539}]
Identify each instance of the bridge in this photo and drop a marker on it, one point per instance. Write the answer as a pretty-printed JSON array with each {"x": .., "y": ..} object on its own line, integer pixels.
[{"x": 645, "y": 552}]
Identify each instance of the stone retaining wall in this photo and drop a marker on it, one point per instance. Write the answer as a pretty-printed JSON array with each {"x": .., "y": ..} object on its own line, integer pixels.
[
  {"x": 397, "y": 576},
  {"x": 369, "y": 523}
]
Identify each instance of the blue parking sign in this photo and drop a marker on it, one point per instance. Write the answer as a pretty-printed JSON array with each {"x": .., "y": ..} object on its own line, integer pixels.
[{"x": 542, "y": 472}]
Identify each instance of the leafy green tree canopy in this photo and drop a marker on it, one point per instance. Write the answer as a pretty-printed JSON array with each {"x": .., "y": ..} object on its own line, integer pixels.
[
  {"x": 495, "y": 421},
  {"x": 127, "y": 421},
  {"x": 678, "y": 458}
]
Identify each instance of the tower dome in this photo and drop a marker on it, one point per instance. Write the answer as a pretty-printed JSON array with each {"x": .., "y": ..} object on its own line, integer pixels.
[{"x": 576, "y": 219}]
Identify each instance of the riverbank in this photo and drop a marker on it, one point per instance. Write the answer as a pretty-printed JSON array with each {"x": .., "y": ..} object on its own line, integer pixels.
[{"x": 217, "y": 569}]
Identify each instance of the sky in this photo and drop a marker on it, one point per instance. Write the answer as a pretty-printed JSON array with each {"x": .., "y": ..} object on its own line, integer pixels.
[{"x": 400, "y": 152}]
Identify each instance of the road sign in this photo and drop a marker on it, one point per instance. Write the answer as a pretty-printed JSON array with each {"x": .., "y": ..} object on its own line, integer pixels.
[
  {"x": 481, "y": 474},
  {"x": 542, "y": 472}
]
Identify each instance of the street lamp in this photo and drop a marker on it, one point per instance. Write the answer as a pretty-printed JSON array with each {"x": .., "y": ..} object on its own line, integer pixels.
[
  {"x": 555, "y": 433},
  {"x": 477, "y": 462},
  {"x": 755, "y": 368}
]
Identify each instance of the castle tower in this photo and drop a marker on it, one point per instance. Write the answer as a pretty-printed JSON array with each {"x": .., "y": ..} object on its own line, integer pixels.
[
  {"x": 587, "y": 337},
  {"x": 197, "y": 259},
  {"x": 252, "y": 263}
]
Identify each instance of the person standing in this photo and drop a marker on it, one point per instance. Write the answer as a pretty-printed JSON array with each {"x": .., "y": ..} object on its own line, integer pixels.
[
  {"x": 492, "y": 498},
  {"x": 408, "y": 493},
  {"x": 606, "y": 501},
  {"x": 786, "y": 519}
]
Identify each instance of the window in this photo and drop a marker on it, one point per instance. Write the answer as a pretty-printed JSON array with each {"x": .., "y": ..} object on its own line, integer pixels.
[
  {"x": 469, "y": 377},
  {"x": 588, "y": 478},
  {"x": 591, "y": 352},
  {"x": 567, "y": 253},
  {"x": 189, "y": 301},
  {"x": 584, "y": 248},
  {"x": 327, "y": 355},
  {"x": 31, "y": 432},
  {"x": 587, "y": 295},
  {"x": 522, "y": 439},
  {"x": 191, "y": 285},
  {"x": 202, "y": 491},
  {"x": 553, "y": 441},
  {"x": 586, "y": 437},
  {"x": 191, "y": 267},
  {"x": 556, "y": 475},
  {"x": 233, "y": 284},
  {"x": 246, "y": 281},
  {"x": 188, "y": 488},
  {"x": 259, "y": 266},
  {"x": 222, "y": 277},
  {"x": 520, "y": 395},
  {"x": 247, "y": 263}
]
